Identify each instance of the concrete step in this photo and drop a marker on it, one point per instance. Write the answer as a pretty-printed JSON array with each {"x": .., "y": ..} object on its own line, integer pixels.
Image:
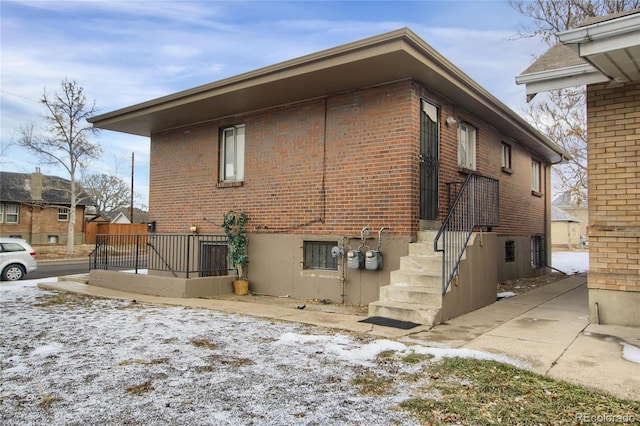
[
  {"x": 412, "y": 294},
  {"x": 423, "y": 248},
  {"x": 405, "y": 312},
  {"x": 425, "y": 263},
  {"x": 418, "y": 278},
  {"x": 426, "y": 236}
]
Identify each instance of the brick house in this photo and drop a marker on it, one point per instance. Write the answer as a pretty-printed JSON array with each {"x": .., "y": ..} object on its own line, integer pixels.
[
  {"x": 35, "y": 207},
  {"x": 603, "y": 53},
  {"x": 376, "y": 134}
]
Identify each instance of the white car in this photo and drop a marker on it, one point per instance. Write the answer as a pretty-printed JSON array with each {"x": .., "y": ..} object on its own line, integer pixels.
[{"x": 17, "y": 258}]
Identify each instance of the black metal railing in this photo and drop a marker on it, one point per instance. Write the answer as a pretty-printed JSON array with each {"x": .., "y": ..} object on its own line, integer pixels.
[
  {"x": 186, "y": 254},
  {"x": 475, "y": 206}
]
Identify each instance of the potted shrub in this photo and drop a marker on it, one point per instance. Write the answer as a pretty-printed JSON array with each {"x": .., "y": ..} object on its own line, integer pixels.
[{"x": 235, "y": 228}]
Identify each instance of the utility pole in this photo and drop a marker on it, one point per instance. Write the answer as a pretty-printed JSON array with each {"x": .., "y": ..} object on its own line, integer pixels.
[{"x": 131, "y": 208}]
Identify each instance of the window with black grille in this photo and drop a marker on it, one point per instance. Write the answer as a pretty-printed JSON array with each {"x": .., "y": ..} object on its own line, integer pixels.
[
  {"x": 537, "y": 252},
  {"x": 510, "y": 251},
  {"x": 317, "y": 255}
]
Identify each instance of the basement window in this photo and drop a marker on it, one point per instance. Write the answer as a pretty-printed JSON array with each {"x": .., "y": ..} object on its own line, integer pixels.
[
  {"x": 509, "y": 251},
  {"x": 317, "y": 255},
  {"x": 537, "y": 252}
]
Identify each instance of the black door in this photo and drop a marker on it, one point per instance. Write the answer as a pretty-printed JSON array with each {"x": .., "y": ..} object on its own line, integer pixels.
[
  {"x": 213, "y": 259},
  {"x": 428, "y": 161}
]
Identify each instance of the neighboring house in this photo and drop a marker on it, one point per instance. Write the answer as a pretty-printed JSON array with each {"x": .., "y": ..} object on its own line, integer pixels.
[
  {"x": 375, "y": 134},
  {"x": 123, "y": 215},
  {"x": 604, "y": 54},
  {"x": 565, "y": 230},
  {"x": 575, "y": 205},
  {"x": 35, "y": 207}
]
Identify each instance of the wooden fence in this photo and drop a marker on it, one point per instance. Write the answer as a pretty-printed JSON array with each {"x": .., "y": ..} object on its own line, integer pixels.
[{"x": 94, "y": 228}]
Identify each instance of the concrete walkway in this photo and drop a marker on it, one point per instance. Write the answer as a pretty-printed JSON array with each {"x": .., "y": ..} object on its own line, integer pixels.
[{"x": 546, "y": 328}]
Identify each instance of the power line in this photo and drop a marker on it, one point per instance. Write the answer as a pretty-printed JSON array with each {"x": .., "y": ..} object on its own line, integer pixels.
[{"x": 19, "y": 96}]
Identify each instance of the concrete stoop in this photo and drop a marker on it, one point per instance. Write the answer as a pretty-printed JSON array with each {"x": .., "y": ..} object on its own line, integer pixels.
[
  {"x": 415, "y": 290},
  {"x": 78, "y": 278}
]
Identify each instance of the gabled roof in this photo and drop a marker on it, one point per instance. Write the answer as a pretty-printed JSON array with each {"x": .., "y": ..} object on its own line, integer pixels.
[
  {"x": 139, "y": 215},
  {"x": 559, "y": 215},
  {"x": 571, "y": 199},
  {"x": 601, "y": 49},
  {"x": 388, "y": 57},
  {"x": 37, "y": 188}
]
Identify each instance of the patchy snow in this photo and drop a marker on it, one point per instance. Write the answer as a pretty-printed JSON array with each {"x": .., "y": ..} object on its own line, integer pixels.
[
  {"x": 631, "y": 353},
  {"x": 77, "y": 360},
  {"x": 570, "y": 262},
  {"x": 506, "y": 294}
]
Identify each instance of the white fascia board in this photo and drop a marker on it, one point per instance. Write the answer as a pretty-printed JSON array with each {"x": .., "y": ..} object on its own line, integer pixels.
[
  {"x": 623, "y": 32},
  {"x": 561, "y": 78},
  {"x": 606, "y": 45},
  {"x": 587, "y": 71}
]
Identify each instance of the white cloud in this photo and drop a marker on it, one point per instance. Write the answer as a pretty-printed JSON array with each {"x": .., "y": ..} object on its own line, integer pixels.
[{"x": 127, "y": 52}]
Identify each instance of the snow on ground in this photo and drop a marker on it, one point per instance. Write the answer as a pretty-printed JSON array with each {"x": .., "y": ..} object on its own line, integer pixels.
[
  {"x": 96, "y": 361},
  {"x": 571, "y": 262}
]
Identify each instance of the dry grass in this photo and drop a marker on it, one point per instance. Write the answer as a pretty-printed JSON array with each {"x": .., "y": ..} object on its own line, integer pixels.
[
  {"x": 523, "y": 285},
  {"x": 49, "y": 252},
  {"x": 68, "y": 300},
  {"x": 140, "y": 389},
  {"x": 205, "y": 343},
  {"x": 371, "y": 384},
  {"x": 474, "y": 392},
  {"x": 155, "y": 361}
]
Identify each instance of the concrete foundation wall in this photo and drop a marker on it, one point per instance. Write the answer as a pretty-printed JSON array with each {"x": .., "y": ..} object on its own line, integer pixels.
[
  {"x": 614, "y": 307},
  {"x": 163, "y": 286},
  {"x": 276, "y": 268},
  {"x": 476, "y": 285},
  {"x": 521, "y": 266}
]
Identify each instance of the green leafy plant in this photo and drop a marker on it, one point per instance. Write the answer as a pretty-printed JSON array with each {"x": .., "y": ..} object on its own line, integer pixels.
[{"x": 235, "y": 228}]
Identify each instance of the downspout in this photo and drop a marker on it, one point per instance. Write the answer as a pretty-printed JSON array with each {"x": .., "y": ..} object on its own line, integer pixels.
[{"x": 323, "y": 192}]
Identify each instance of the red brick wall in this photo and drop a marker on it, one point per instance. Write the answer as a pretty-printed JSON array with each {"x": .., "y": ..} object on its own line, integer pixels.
[
  {"x": 366, "y": 141},
  {"x": 521, "y": 213},
  {"x": 614, "y": 187},
  {"x": 367, "y": 148},
  {"x": 36, "y": 223}
]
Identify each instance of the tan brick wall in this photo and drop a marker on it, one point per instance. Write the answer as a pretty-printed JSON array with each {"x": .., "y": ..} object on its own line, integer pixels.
[{"x": 614, "y": 187}]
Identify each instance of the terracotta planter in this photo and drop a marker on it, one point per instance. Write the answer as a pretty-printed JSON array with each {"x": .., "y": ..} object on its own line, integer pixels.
[{"x": 241, "y": 287}]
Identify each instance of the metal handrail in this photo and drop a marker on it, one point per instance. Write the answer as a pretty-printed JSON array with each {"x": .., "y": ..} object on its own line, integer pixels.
[
  {"x": 475, "y": 205},
  {"x": 175, "y": 253}
]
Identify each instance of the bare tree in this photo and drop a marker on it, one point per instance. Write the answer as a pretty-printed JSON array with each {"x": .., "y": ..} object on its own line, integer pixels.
[
  {"x": 107, "y": 191},
  {"x": 66, "y": 139},
  {"x": 561, "y": 114},
  {"x": 549, "y": 17},
  {"x": 4, "y": 147}
]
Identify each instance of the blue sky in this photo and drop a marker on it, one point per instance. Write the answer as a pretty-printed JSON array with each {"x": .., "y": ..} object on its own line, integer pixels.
[{"x": 126, "y": 52}]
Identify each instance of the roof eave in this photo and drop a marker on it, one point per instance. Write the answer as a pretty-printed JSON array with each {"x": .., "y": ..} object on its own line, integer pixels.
[
  {"x": 560, "y": 78},
  {"x": 393, "y": 56}
]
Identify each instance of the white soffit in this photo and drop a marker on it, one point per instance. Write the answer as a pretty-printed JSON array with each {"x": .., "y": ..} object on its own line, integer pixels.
[{"x": 613, "y": 46}]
